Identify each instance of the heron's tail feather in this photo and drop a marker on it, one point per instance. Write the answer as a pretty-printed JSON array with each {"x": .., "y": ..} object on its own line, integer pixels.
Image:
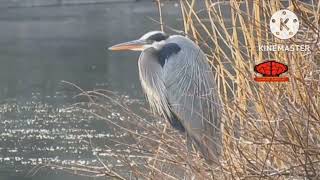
[{"x": 175, "y": 122}]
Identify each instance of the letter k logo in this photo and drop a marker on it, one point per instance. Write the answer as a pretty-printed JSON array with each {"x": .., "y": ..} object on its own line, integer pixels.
[{"x": 284, "y": 24}]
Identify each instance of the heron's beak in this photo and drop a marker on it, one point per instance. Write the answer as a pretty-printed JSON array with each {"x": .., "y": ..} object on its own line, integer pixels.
[{"x": 136, "y": 45}]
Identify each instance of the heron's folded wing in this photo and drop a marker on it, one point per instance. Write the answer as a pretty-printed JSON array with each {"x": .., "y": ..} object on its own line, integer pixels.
[{"x": 192, "y": 94}]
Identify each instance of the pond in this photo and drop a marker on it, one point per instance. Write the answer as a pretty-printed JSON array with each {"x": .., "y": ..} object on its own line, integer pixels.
[{"x": 40, "y": 47}]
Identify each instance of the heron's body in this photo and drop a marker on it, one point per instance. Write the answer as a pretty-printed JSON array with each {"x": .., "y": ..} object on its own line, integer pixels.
[{"x": 179, "y": 85}]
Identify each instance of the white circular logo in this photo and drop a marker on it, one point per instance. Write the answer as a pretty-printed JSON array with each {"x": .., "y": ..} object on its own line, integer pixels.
[{"x": 284, "y": 24}]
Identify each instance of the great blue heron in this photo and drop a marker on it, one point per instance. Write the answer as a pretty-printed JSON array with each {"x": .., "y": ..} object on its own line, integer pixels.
[{"x": 179, "y": 85}]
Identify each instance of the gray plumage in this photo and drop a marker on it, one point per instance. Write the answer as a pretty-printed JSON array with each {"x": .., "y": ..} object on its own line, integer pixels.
[
  {"x": 179, "y": 85},
  {"x": 184, "y": 86}
]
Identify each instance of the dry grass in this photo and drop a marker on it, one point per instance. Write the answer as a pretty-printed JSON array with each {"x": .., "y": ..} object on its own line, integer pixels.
[{"x": 270, "y": 130}]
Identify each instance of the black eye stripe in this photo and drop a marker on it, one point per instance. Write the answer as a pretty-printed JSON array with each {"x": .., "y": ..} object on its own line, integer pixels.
[{"x": 158, "y": 37}]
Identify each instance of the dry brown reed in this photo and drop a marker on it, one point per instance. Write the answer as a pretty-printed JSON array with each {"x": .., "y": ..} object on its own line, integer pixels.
[{"x": 271, "y": 130}]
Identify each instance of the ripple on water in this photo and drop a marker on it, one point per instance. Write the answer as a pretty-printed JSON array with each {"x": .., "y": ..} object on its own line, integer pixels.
[{"x": 35, "y": 132}]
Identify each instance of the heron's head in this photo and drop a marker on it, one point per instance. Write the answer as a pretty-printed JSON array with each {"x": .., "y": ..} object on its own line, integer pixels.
[{"x": 155, "y": 39}]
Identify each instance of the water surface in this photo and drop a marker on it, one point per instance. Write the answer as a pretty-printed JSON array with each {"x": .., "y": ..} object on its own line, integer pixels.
[{"x": 42, "y": 46}]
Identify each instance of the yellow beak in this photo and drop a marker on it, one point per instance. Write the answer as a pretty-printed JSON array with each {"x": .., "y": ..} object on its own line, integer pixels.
[{"x": 136, "y": 45}]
